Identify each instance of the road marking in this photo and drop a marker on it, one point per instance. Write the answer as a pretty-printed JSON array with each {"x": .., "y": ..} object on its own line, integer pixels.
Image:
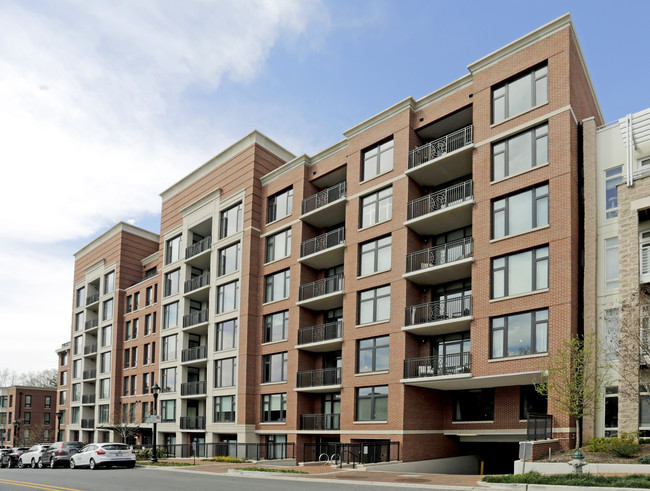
[{"x": 36, "y": 485}]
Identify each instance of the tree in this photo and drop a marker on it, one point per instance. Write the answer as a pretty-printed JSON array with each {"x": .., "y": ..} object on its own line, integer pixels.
[
  {"x": 37, "y": 434},
  {"x": 123, "y": 422},
  {"x": 573, "y": 377},
  {"x": 35, "y": 378}
]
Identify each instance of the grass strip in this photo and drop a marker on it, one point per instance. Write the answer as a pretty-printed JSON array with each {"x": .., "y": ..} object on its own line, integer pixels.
[
  {"x": 164, "y": 464},
  {"x": 631, "y": 481},
  {"x": 266, "y": 469},
  {"x": 229, "y": 460}
]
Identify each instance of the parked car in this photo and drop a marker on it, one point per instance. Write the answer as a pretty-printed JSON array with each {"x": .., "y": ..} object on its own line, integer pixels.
[
  {"x": 58, "y": 454},
  {"x": 32, "y": 457},
  {"x": 3, "y": 452},
  {"x": 104, "y": 454},
  {"x": 11, "y": 459}
]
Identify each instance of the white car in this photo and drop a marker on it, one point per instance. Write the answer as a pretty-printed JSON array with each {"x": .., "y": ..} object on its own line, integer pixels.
[
  {"x": 32, "y": 456},
  {"x": 104, "y": 454}
]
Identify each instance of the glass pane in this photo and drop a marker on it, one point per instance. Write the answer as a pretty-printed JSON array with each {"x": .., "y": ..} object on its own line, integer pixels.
[
  {"x": 381, "y": 409},
  {"x": 519, "y": 97},
  {"x": 498, "y": 287},
  {"x": 383, "y": 260},
  {"x": 367, "y": 263},
  {"x": 363, "y": 409},
  {"x": 541, "y": 90},
  {"x": 521, "y": 212},
  {"x": 497, "y": 343},
  {"x": 499, "y": 224},
  {"x": 541, "y": 150},
  {"x": 542, "y": 212},
  {"x": 520, "y": 273},
  {"x": 519, "y": 340},
  {"x": 383, "y": 308},
  {"x": 519, "y": 153},
  {"x": 542, "y": 275},
  {"x": 365, "y": 361},
  {"x": 386, "y": 158},
  {"x": 541, "y": 336},
  {"x": 381, "y": 359},
  {"x": 365, "y": 312},
  {"x": 370, "y": 167}
]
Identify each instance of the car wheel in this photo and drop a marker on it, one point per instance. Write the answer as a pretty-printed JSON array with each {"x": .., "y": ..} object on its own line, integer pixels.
[
  {"x": 52, "y": 464},
  {"x": 92, "y": 465},
  {"x": 40, "y": 463},
  {"x": 20, "y": 464},
  {"x": 33, "y": 464},
  {"x": 72, "y": 465}
]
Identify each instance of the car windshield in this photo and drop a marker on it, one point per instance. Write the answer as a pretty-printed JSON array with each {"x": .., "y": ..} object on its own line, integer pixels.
[
  {"x": 73, "y": 445},
  {"x": 116, "y": 446}
]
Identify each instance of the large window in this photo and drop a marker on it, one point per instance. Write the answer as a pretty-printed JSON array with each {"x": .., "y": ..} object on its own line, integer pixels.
[
  {"x": 109, "y": 282},
  {"x": 276, "y": 326},
  {"x": 612, "y": 177},
  {"x": 105, "y": 362},
  {"x": 168, "y": 410},
  {"x": 224, "y": 409},
  {"x": 104, "y": 412},
  {"x": 520, "y": 94},
  {"x": 611, "y": 410},
  {"x": 277, "y": 285},
  {"x": 531, "y": 402},
  {"x": 519, "y": 334},
  {"x": 168, "y": 379},
  {"x": 107, "y": 335},
  {"x": 231, "y": 221},
  {"x": 520, "y": 212},
  {"x": 225, "y": 372},
  {"x": 474, "y": 405},
  {"x": 80, "y": 298},
  {"x": 105, "y": 388},
  {"x": 275, "y": 367},
  {"x": 374, "y": 305},
  {"x": 274, "y": 408},
  {"x": 107, "y": 310},
  {"x": 228, "y": 297},
  {"x": 520, "y": 273},
  {"x": 226, "y": 334},
  {"x": 169, "y": 348},
  {"x": 377, "y": 160},
  {"x": 377, "y": 207},
  {"x": 172, "y": 282},
  {"x": 612, "y": 333},
  {"x": 278, "y": 245},
  {"x": 520, "y": 152},
  {"x": 79, "y": 322},
  {"x": 170, "y": 315},
  {"x": 372, "y": 403},
  {"x": 173, "y": 250},
  {"x": 279, "y": 205},
  {"x": 375, "y": 256},
  {"x": 611, "y": 263},
  {"x": 229, "y": 259},
  {"x": 76, "y": 392},
  {"x": 372, "y": 354}
]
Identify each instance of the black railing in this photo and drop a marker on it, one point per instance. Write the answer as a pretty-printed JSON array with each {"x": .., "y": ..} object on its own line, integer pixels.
[
  {"x": 331, "y": 284},
  {"x": 92, "y": 323},
  {"x": 90, "y": 349},
  {"x": 197, "y": 282},
  {"x": 441, "y": 146},
  {"x": 369, "y": 452},
  {"x": 319, "y": 378},
  {"x": 90, "y": 299},
  {"x": 88, "y": 399},
  {"x": 435, "y": 366},
  {"x": 539, "y": 427},
  {"x": 451, "y": 308},
  {"x": 198, "y": 247},
  {"x": 196, "y": 353},
  {"x": 322, "y": 242},
  {"x": 444, "y": 198},
  {"x": 195, "y": 423},
  {"x": 193, "y": 388},
  {"x": 88, "y": 374},
  {"x": 249, "y": 451},
  {"x": 324, "y": 332},
  {"x": 195, "y": 318},
  {"x": 324, "y": 197},
  {"x": 320, "y": 422},
  {"x": 439, "y": 254},
  {"x": 88, "y": 424}
]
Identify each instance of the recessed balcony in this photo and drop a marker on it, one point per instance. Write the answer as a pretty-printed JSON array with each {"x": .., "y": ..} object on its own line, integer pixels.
[
  {"x": 198, "y": 248},
  {"x": 192, "y": 423},
  {"x": 88, "y": 424},
  {"x": 441, "y": 263},
  {"x": 320, "y": 422},
  {"x": 196, "y": 355},
  {"x": 323, "y": 294},
  {"x": 90, "y": 349},
  {"x": 198, "y": 388},
  {"x": 320, "y": 380},
  {"x": 444, "y": 210},
  {"x": 89, "y": 374},
  {"x": 195, "y": 319},
  {"x": 324, "y": 251},
  {"x": 88, "y": 399},
  {"x": 427, "y": 367},
  {"x": 443, "y": 159},
  {"x": 326, "y": 337},
  {"x": 325, "y": 208},
  {"x": 91, "y": 324},
  {"x": 91, "y": 299},
  {"x": 440, "y": 317},
  {"x": 198, "y": 286}
]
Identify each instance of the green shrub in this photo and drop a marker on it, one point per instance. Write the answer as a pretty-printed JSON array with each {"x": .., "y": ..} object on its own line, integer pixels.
[
  {"x": 601, "y": 444},
  {"x": 644, "y": 459},
  {"x": 625, "y": 445},
  {"x": 230, "y": 460},
  {"x": 145, "y": 454}
]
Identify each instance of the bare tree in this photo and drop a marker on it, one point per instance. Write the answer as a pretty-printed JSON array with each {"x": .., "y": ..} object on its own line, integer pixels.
[
  {"x": 37, "y": 434},
  {"x": 123, "y": 422},
  {"x": 35, "y": 378}
]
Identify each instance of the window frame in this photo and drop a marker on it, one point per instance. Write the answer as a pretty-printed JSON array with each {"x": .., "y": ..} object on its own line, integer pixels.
[
  {"x": 612, "y": 177},
  {"x": 221, "y": 297},
  {"x": 375, "y": 250},
  {"x": 219, "y": 334},
  {"x": 536, "y": 73},
  {"x": 375, "y": 152},
  {"x": 611, "y": 248},
  {"x": 374, "y": 349},
  {"x": 267, "y": 407},
  {"x": 537, "y": 133},
  {"x": 374, "y": 202},
  {"x": 275, "y": 201},
  {"x": 269, "y": 374},
  {"x": 224, "y": 260},
  {"x": 227, "y": 416},
  {"x": 272, "y": 248},
  {"x": 226, "y": 229},
  {"x": 374, "y": 300},
  {"x": 539, "y": 319},
  {"x": 269, "y": 325},
  {"x": 537, "y": 196},
  {"x": 219, "y": 380},
  {"x": 536, "y": 259},
  {"x": 374, "y": 396},
  {"x": 270, "y": 285}
]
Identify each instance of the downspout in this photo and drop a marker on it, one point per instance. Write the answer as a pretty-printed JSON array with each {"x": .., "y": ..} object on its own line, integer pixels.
[{"x": 630, "y": 150}]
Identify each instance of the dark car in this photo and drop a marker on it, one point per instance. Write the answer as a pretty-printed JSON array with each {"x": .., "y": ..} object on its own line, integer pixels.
[
  {"x": 58, "y": 454},
  {"x": 11, "y": 459}
]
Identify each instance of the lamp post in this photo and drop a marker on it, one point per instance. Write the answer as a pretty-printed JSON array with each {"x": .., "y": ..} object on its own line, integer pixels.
[
  {"x": 154, "y": 454},
  {"x": 16, "y": 424},
  {"x": 59, "y": 415}
]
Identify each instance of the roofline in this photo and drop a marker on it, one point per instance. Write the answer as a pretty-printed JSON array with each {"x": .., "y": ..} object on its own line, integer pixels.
[{"x": 114, "y": 230}]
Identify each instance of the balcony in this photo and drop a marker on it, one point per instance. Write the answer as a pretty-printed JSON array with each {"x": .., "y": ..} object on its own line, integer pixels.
[
  {"x": 323, "y": 294},
  {"x": 194, "y": 354},
  {"x": 320, "y": 380},
  {"x": 325, "y": 208},
  {"x": 196, "y": 423},
  {"x": 197, "y": 388},
  {"x": 91, "y": 324},
  {"x": 444, "y": 210},
  {"x": 323, "y": 251},
  {"x": 326, "y": 337},
  {"x": 88, "y": 424},
  {"x": 437, "y": 366},
  {"x": 441, "y": 263},
  {"x": 320, "y": 422},
  {"x": 195, "y": 318},
  {"x": 443, "y": 159},
  {"x": 89, "y": 374},
  {"x": 91, "y": 299},
  {"x": 198, "y": 247},
  {"x": 440, "y": 317},
  {"x": 90, "y": 349},
  {"x": 197, "y": 282},
  {"x": 88, "y": 399}
]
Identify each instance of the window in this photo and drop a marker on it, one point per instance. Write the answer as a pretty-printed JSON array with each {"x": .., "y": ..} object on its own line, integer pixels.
[
  {"x": 519, "y": 334},
  {"x": 126, "y": 386},
  {"x": 64, "y": 359},
  {"x": 127, "y": 331},
  {"x": 136, "y": 301},
  {"x": 173, "y": 250},
  {"x": 77, "y": 346},
  {"x": 150, "y": 273},
  {"x": 374, "y": 305},
  {"x": 168, "y": 379},
  {"x": 611, "y": 410},
  {"x": 277, "y": 286},
  {"x": 519, "y": 94},
  {"x": 520, "y": 273},
  {"x": 274, "y": 408},
  {"x": 134, "y": 356},
  {"x": 229, "y": 259},
  {"x": 278, "y": 245},
  {"x": 28, "y": 401},
  {"x": 172, "y": 282},
  {"x": 227, "y": 297},
  {"x": 46, "y": 418},
  {"x": 377, "y": 207},
  {"x": 76, "y": 369},
  {"x": 27, "y": 418},
  {"x": 612, "y": 331},
  {"x": 224, "y": 409},
  {"x": 377, "y": 160},
  {"x": 225, "y": 372},
  {"x": 531, "y": 402},
  {"x": 474, "y": 405},
  {"x": 146, "y": 354},
  {"x": 372, "y": 403},
  {"x": 169, "y": 348},
  {"x": 276, "y": 326},
  {"x": 48, "y": 402},
  {"x": 520, "y": 153},
  {"x": 275, "y": 367},
  {"x": 170, "y": 315},
  {"x": 105, "y": 388},
  {"x": 279, "y": 205},
  {"x": 520, "y": 212},
  {"x": 107, "y": 310},
  {"x": 612, "y": 177},
  {"x": 129, "y": 304},
  {"x": 63, "y": 378},
  {"x": 105, "y": 362},
  {"x": 148, "y": 296},
  {"x": 147, "y": 324},
  {"x": 104, "y": 413},
  {"x": 107, "y": 335},
  {"x": 109, "y": 282},
  {"x": 372, "y": 354},
  {"x": 611, "y": 263},
  {"x": 63, "y": 398},
  {"x": 146, "y": 377},
  {"x": 375, "y": 256},
  {"x": 231, "y": 221},
  {"x": 134, "y": 331},
  {"x": 226, "y": 335},
  {"x": 79, "y": 322},
  {"x": 134, "y": 384},
  {"x": 168, "y": 410},
  {"x": 80, "y": 297},
  {"x": 3, "y": 402}
]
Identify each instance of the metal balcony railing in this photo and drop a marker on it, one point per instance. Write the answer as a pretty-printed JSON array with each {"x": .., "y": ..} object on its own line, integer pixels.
[
  {"x": 439, "y": 200},
  {"x": 319, "y": 378},
  {"x": 539, "y": 427},
  {"x": 195, "y": 318},
  {"x": 440, "y": 310},
  {"x": 331, "y": 284},
  {"x": 320, "y": 422},
  {"x": 441, "y": 146},
  {"x": 189, "y": 423},
  {"x": 324, "y": 197},
  {"x": 197, "y": 282},
  {"x": 198, "y": 247},
  {"x": 88, "y": 424},
  {"x": 88, "y": 374},
  {"x": 88, "y": 399},
  {"x": 196, "y": 353},
  {"x": 90, "y": 299},
  {"x": 440, "y": 254},
  {"x": 435, "y": 366},
  {"x": 91, "y": 323},
  {"x": 324, "y": 332},
  {"x": 193, "y": 388},
  {"x": 92, "y": 348},
  {"x": 322, "y": 242}
]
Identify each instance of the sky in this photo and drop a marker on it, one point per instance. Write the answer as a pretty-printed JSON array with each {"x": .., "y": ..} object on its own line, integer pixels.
[{"x": 105, "y": 104}]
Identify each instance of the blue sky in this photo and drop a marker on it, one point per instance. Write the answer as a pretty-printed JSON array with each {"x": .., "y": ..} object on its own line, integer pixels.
[{"x": 106, "y": 104}]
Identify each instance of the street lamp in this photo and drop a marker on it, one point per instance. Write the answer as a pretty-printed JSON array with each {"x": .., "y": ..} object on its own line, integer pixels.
[
  {"x": 59, "y": 415},
  {"x": 154, "y": 390},
  {"x": 16, "y": 424}
]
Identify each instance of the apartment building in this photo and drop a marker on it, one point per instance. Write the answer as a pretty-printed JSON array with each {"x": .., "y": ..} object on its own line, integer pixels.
[
  {"x": 400, "y": 287},
  {"x": 27, "y": 415}
]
